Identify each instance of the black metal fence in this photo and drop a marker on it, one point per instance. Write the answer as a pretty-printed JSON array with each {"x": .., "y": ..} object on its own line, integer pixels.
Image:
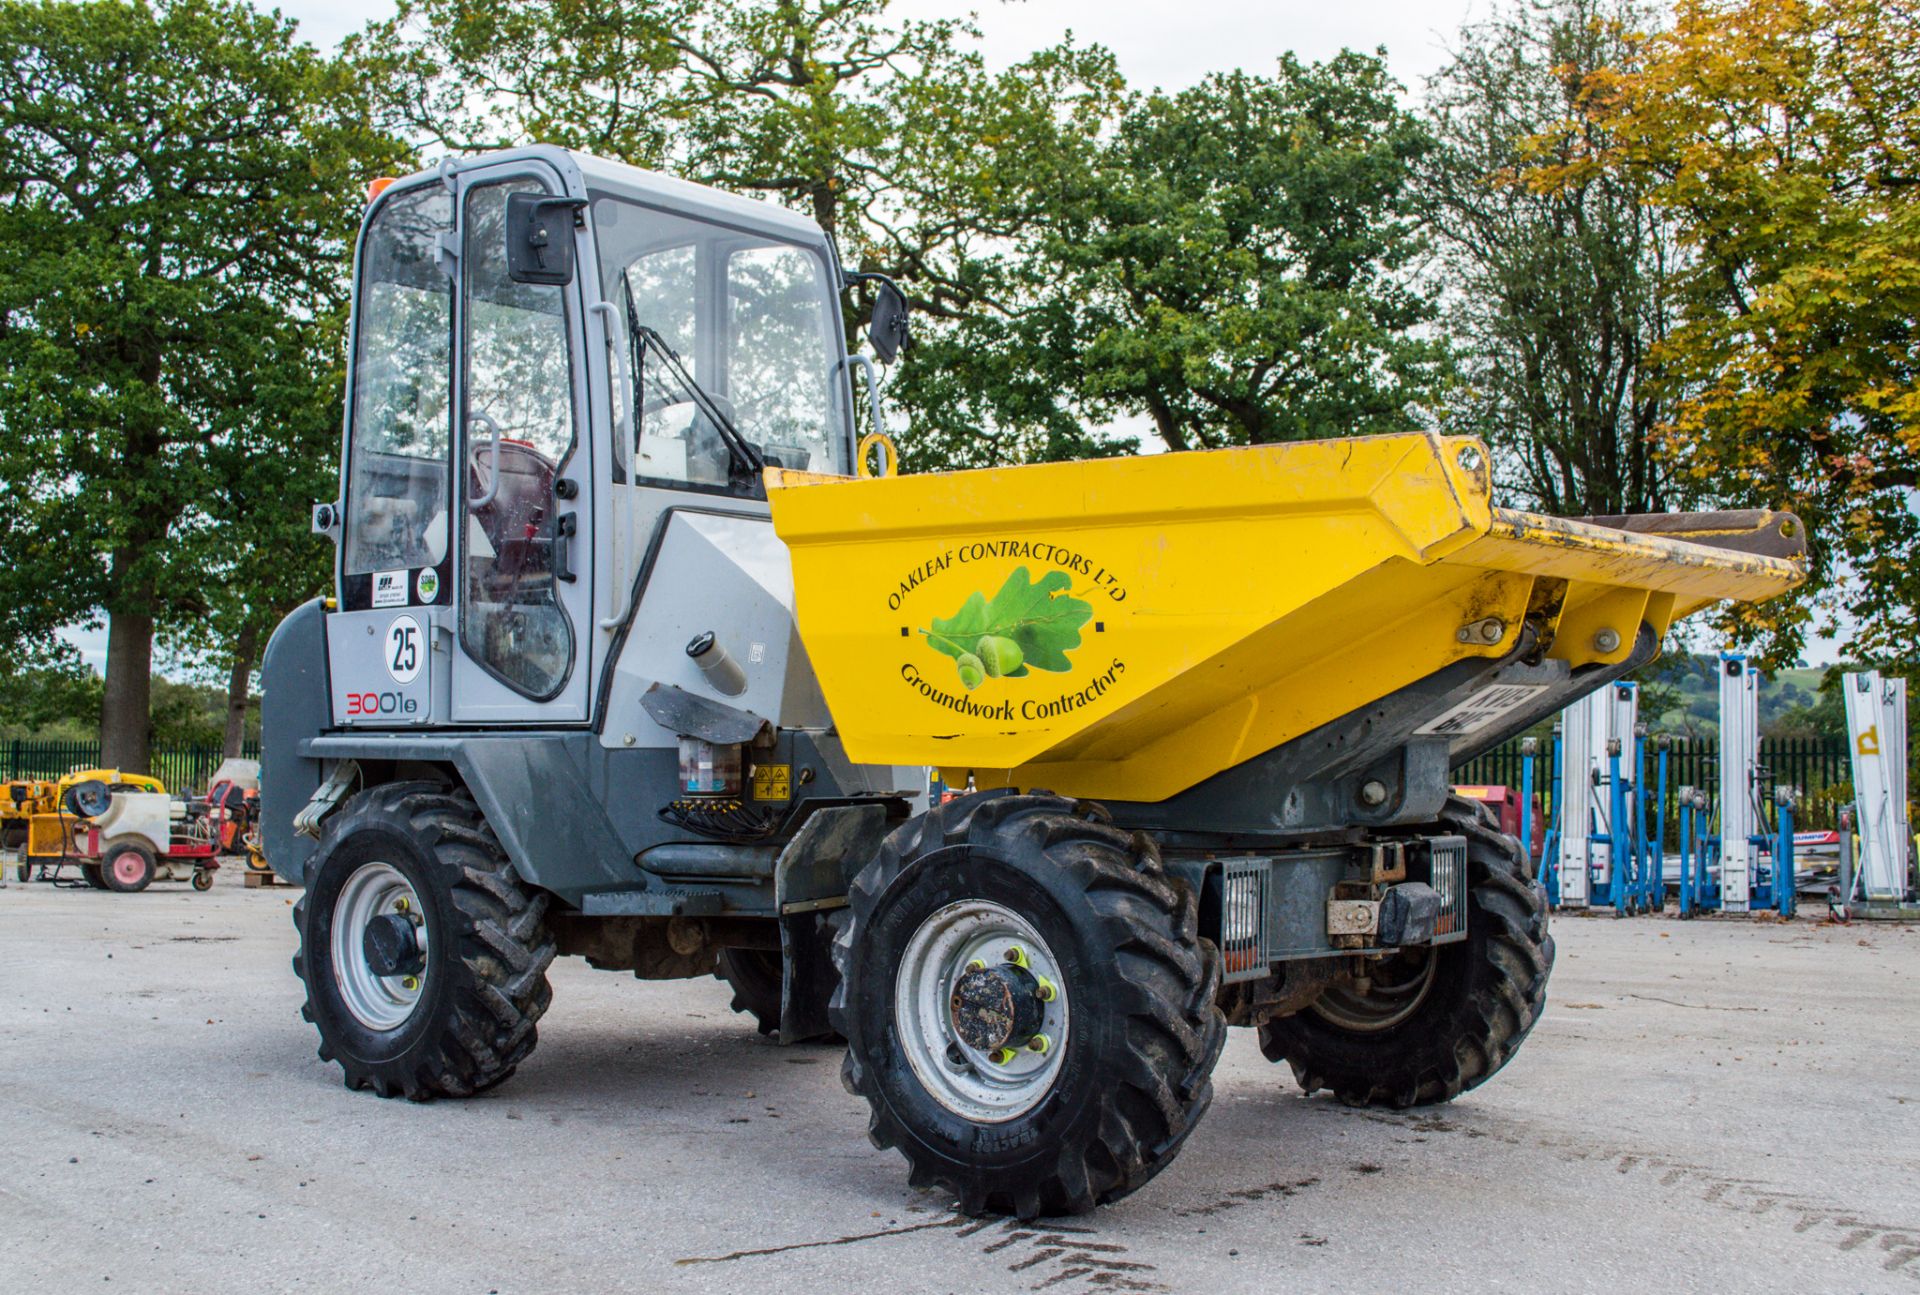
[
  {"x": 1817, "y": 767},
  {"x": 182, "y": 768}
]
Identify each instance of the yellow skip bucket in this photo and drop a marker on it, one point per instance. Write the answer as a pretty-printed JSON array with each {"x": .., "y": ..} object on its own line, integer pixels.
[{"x": 1122, "y": 629}]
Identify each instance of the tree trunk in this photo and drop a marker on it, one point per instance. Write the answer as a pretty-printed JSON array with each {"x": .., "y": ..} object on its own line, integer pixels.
[
  {"x": 238, "y": 692},
  {"x": 129, "y": 685}
]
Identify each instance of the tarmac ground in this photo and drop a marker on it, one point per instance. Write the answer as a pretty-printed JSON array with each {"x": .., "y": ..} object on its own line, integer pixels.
[{"x": 1729, "y": 1104}]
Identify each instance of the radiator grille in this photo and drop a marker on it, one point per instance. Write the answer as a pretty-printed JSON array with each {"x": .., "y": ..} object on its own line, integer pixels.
[
  {"x": 1244, "y": 946},
  {"x": 1449, "y": 854}
]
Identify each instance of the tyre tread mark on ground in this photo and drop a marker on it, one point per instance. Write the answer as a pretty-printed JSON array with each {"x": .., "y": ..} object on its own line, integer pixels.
[
  {"x": 1247, "y": 1196},
  {"x": 1837, "y": 1226},
  {"x": 1058, "y": 1254}
]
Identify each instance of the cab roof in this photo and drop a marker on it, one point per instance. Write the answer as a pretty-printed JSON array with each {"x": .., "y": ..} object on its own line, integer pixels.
[{"x": 581, "y": 172}]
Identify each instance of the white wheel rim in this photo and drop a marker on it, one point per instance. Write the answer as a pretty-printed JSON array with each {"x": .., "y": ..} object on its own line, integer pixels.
[
  {"x": 377, "y": 1002},
  {"x": 960, "y": 1077}
]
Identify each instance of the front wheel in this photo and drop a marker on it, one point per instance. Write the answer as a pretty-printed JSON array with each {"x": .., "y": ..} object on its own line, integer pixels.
[
  {"x": 203, "y": 879},
  {"x": 1431, "y": 1022},
  {"x": 1028, "y": 1005},
  {"x": 424, "y": 956},
  {"x": 128, "y": 868}
]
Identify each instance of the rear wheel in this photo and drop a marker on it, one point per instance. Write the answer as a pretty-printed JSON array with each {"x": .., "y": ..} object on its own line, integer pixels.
[
  {"x": 1432, "y": 1022},
  {"x": 755, "y": 977},
  {"x": 424, "y": 956},
  {"x": 127, "y": 868},
  {"x": 1028, "y": 1006},
  {"x": 93, "y": 876}
]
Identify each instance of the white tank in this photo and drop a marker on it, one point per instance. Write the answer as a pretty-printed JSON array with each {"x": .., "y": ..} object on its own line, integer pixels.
[{"x": 139, "y": 814}]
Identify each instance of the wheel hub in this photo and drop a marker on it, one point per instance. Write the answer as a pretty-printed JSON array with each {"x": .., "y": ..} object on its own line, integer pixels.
[
  {"x": 981, "y": 1005},
  {"x": 380, "y": 946},
  {"x": 392, "y": 946},
  {"x": 996, "y": 1007}
]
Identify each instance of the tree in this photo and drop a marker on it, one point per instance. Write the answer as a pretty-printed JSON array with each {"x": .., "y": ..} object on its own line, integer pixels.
[
  {"x": 1783, "y": 138},
  {"x": 890, "y": 133},
  {"x": 263, "y": 560},
  {"x": 1557, "y": 295},
  {"x": 1234, "y": 264},
  {"x": 178, "y": 186}
]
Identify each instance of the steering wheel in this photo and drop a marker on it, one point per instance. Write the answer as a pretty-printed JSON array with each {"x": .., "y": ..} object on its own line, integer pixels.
[{"x": 506, "y": 500}]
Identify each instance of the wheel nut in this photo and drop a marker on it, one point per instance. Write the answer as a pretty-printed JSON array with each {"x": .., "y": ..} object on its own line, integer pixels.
[
  {"x": 1017, "y": 956},
  {"x": 976, "y": 965},
  {"x": 401, "y": 905},
  {"x": 411, "y": 982},
  {"x": 1045, "y": 991},
  {"x": 1000, "y": 1056},
  {"x": 1039, "y": 1043}
]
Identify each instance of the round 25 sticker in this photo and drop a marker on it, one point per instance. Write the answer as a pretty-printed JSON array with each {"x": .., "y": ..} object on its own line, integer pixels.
[{"x": 406, "y": 649}]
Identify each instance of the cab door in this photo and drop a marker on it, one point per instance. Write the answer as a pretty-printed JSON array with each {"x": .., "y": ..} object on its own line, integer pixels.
[{"x": 522, "y": 548}]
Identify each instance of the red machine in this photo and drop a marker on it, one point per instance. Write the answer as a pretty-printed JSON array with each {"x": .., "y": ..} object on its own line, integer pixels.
[{"x": 1505, "y": 803}]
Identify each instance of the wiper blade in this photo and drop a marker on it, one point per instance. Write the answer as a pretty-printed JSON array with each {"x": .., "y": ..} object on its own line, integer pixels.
[{"x": 737, "y": 445}]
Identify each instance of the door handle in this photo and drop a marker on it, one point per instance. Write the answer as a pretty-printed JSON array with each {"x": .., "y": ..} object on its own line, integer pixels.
[
  {"x": 493, "y": 474},
  {"x": 563, "y": 528}
]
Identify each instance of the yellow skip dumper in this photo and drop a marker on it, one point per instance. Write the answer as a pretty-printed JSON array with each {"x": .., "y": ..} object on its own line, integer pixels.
[
  {"x": 621, "y": 663},
  {"x": 1201, "y": 610}
]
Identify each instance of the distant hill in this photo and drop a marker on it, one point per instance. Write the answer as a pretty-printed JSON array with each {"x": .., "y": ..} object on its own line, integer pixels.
[{"x": 1680, "y": 696}]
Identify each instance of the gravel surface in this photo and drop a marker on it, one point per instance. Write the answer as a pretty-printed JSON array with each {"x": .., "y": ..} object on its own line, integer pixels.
[{"x": 1720, "y": 1105}]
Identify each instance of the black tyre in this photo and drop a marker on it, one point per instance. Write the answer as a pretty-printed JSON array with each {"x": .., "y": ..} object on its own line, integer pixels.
[
  {"x": 1437, "y": 1021},
  {"x": 127, "y": 868},
  {"x": 754, "y": 975},
  {"x": 1028, "y": 1006},
  {"x": 22, "y": 871},
  {"x": 91, "y": 874},
  {"x": 424, "y": 956}
]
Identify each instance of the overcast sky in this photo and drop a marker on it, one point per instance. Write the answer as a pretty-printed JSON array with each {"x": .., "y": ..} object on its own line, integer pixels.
[{"x": 1159, "y": 44}]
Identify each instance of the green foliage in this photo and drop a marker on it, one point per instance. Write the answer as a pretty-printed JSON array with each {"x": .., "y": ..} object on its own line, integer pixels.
[
  {"x": 185, "y": 714},
  {"x": 1560, "y": 293},
  {"x": 1028, "y": 623},
  {"x": 889, "y": 131},
  {"x": 1680, "y": 697},
  {"x": 182, "y": 185},
  {"x": 63, "y": 704},
  {"x": 60, "y": 700},
  {"x": 1783, "y": 139},
  {"x": 1233, "y": 265},
  {"x": 1231, "y": 262}
]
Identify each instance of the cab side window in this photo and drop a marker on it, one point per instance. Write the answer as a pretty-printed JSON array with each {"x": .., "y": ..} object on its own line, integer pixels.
[
  {"x": 519, "y": 433},
  {"x": 397, "y": 464}
]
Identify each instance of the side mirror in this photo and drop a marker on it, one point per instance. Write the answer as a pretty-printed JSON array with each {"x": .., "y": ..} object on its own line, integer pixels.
[
  {"x": 540, "y": 238},
  {"x": 888, "y": 328}
]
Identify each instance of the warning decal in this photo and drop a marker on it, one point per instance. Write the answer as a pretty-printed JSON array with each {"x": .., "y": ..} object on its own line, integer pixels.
[
  {"x": 1485, "y": 707},
  {"x": 773, "y": 782}
]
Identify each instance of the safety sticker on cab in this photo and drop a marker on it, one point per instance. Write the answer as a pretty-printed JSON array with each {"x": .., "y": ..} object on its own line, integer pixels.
[{"x": 773, "y": 782}]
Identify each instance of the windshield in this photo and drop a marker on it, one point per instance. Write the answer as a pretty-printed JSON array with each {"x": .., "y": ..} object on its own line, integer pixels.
[{"x": 750, "y": 321}]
